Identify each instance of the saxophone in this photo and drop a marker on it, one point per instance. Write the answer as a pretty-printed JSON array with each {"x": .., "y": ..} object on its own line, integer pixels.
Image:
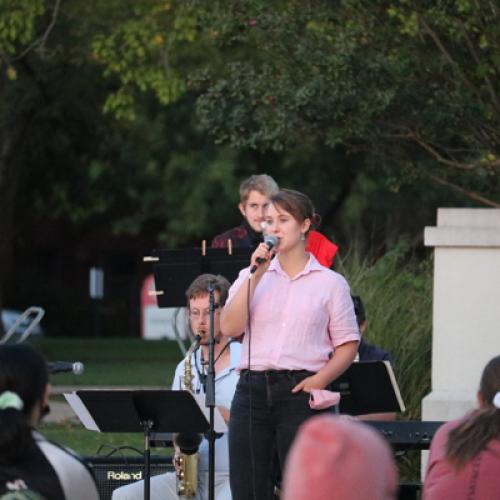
[{"x": 187, "y": 475}]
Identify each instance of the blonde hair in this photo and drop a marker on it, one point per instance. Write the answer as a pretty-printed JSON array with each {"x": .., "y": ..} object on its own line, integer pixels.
[{"x": 262, "y": 183}]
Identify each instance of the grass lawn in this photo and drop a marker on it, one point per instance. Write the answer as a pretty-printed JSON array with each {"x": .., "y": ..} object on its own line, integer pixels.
[
  {"x": 116, "y": 361},
  {"x": 90, "y": 443}
]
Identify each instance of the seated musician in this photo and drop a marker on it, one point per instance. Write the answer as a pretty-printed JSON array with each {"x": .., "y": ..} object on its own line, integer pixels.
[
  {"x": 164, "y": 486},
  {"x": 369, "y": 352},
  {"x": 366, "y": 351}
]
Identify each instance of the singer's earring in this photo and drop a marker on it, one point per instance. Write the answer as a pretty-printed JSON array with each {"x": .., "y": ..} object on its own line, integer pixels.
[{"x": 303, "y": 237}]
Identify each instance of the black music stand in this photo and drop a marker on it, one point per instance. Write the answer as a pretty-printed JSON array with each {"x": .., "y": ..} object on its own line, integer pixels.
[
  {"x": 175, "y": 270},
  {"x": 368, "y": 387},
  {"x": 140, "y": 411}
]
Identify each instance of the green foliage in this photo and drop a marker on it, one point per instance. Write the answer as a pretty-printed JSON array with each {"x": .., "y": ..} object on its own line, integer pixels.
[
  {"x": 18, "y": 19},
  {"x": 290, "y": 73},
  {"x": 148, "y": 50},
  {"x": 414, "y": 87},
  {"x": 397, "y": 293},
  {"x": 335, "y": 87},
  {"x": 160, "y": 172}
]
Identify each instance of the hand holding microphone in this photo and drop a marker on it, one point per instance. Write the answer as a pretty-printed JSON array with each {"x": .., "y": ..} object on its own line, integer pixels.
[{"x": 270, "y": 241}]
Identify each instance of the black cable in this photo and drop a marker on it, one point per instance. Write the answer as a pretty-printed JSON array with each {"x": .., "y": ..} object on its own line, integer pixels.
[
  {"x": 201, "y": 373},
  {"x": 202, "y": 377},
  {"x": 222, "y": 352},
  {"x": 252, "y": 454}
]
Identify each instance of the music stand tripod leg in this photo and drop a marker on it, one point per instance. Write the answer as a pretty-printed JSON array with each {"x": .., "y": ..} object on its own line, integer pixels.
[
  {"x": 147, "y": 425},
  {"x": 210, "y": 394}
]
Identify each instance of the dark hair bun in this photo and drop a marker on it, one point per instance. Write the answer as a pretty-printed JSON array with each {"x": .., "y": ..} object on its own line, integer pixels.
[{"x": 315, "y": 220}]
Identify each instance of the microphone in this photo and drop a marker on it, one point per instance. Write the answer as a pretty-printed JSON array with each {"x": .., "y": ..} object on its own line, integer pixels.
[
  {"x": 76, "y": 368},
  {"x": 271, "y": 241},
  {"x": 188, "y": 442}
]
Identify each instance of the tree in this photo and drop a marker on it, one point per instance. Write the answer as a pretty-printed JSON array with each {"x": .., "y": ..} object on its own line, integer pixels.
[
  {"x": 19, "y": 38},
  {"x": 414, "y": 88},
  {"x": 65, "y": 161}
]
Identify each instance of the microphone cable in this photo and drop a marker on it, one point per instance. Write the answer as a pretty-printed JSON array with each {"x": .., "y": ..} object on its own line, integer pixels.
[
  {"x": 202, "y": 373},
  {"x": 250, "y": 400}
]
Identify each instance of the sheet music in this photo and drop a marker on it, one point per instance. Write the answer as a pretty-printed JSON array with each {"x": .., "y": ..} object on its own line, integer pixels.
[
  {"x": 395, "y": 386},
  {"x": 81, "y": 411},
  {"x": 219, "y": 423}
]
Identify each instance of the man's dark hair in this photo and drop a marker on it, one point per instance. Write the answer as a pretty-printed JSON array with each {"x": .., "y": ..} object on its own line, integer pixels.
[
  {"x": 23, "y": 371},
  {"x": 359, "y": 309}
]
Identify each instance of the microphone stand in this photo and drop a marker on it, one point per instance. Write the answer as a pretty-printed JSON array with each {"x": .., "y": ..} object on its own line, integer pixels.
[{"x": 210, "y": 393}]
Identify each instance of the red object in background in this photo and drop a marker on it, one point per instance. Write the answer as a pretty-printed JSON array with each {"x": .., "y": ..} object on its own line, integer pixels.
[
  {"x": 321, "y": 247},
  {"x": 147, "y": 300}
]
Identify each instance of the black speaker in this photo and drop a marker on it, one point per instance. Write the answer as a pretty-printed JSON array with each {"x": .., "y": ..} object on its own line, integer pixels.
[
  {"x": 410, "y": 491},
  {"x": 114, "y": 471}
]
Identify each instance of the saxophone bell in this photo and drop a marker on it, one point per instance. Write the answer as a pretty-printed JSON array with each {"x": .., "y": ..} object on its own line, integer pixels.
[{"x": 188, "y": 442}]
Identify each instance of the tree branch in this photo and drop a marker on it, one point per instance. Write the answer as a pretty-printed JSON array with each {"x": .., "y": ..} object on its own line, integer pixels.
[
  {"x": 433, "y": 151},
  {"x": 40, "y": 42},
  {"x": 475, "y": 56},
  {"x": 446, "y": 54},
  {"x": 469, "y": 194}
]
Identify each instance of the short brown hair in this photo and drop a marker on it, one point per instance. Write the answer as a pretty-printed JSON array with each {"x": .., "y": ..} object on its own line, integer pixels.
[
  {"x": 262, "y": 183},
  {"x": 200, "y": 287},
  {"x": 297, "y": 204}
]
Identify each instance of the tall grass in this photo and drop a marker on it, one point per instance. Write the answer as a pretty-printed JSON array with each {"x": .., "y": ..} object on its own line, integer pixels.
[{"x": 396, "y": 290}]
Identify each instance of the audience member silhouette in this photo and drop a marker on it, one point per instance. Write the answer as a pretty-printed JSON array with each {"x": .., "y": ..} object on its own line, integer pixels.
[
  {"x": 339, "y": 459},
  {"x": 464, "y": 458},
  {"x": 30, "y": 466}
]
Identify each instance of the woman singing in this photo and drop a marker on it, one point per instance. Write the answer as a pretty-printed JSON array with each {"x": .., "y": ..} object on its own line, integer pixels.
[{"x": 300, "y": 334}]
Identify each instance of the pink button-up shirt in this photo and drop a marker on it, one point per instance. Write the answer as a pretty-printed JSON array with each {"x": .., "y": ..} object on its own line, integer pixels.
[{"x": 297, "y": 323}]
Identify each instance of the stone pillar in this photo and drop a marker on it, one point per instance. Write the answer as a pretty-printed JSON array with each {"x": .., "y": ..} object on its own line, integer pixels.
[{"x": 466, "y": 307}]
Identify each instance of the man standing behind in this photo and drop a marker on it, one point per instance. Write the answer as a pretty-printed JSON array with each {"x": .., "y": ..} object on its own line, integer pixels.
[
  {"x": 254, "y": 198},
  {"x": 164, "y": 486}
]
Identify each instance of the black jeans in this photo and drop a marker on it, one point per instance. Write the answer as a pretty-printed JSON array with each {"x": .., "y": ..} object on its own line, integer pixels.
[{"x": 262, "y": 427}]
